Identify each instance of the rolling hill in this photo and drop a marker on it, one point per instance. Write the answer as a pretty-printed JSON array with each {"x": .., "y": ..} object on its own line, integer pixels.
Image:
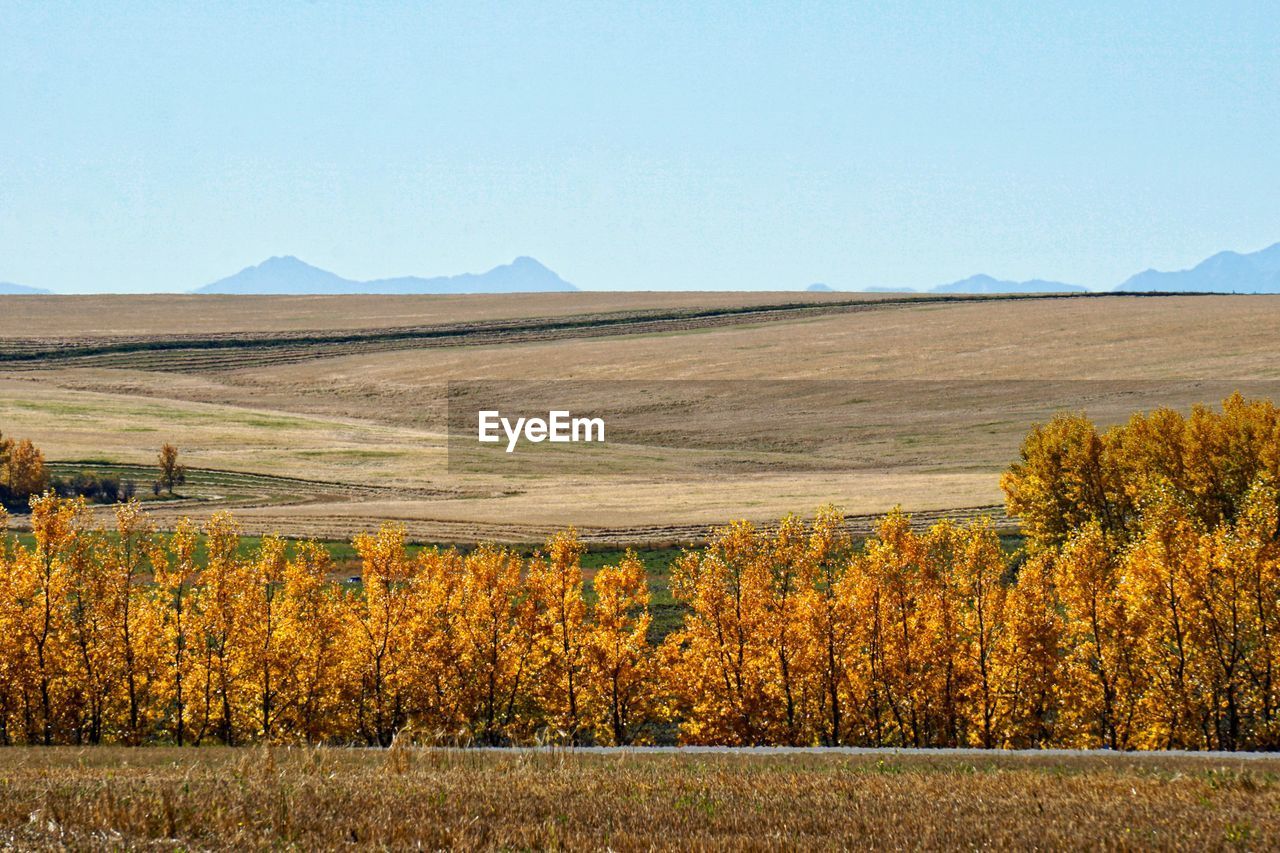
[{"x": 321, "y": 416}]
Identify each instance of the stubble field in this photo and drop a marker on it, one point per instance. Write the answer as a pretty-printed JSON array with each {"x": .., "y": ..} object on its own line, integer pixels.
[{"x": 405, "y": 798}]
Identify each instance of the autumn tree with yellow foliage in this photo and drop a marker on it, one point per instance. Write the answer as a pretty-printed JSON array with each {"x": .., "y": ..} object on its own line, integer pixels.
[
  {"x": 22, "y": 471},
  {"x": 720, "y": 668},
  {"x": 620, "y": 673},
  {"x": 382, "y": 624},
  {"x": 174, "y": 571},
  {"x": 555, "y": 590}
]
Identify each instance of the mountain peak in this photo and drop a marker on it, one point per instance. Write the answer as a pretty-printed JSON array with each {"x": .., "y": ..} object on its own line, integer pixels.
[
  {"x": 283, "y": 262},
  {"x": 980, "y": 279}
]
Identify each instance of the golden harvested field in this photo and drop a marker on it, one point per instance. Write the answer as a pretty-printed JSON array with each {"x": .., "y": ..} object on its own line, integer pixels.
[
  {"x": 879, "y": 400},
  {"x": 217, "y": 798},
  {"x": 185, "y": 314}
]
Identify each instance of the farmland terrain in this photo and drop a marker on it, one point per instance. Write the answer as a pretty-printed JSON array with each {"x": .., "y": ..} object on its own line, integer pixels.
[{"x": 322, "y": 415}]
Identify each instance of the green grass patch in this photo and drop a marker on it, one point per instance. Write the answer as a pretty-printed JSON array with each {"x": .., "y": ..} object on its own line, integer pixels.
[{"x": 353, "y": 455}]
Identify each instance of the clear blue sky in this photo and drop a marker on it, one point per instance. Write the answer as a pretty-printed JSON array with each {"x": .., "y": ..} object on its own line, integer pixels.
[{"x": 745, "y": 145}]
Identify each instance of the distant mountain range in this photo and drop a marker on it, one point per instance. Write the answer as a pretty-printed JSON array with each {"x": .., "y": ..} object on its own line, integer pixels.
[
  {"x": 288, "y": 275},
  {"x": 986, "y": 284},
  {"x": 11, "y": 289},
  {"x": 1225, "y": 272},
  {"x": 978, "y": 284}
]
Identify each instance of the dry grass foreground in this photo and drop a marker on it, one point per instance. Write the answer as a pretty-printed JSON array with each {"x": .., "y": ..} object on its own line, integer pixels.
[{"x": 405, "y": 798}]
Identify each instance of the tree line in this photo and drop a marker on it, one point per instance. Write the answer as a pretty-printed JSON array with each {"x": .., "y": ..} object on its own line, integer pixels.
[
  {"x": 1141, "y": 611},
  {"x": 128, "y": 636}
]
